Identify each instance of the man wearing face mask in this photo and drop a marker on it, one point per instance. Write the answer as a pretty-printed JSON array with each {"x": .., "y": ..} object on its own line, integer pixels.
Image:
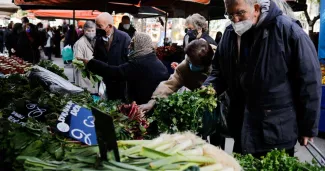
[
  {"x": 269, "y": 68},
  {"x": 111, "y": 47},
  {"x": 84, "y": 49},
  {"x": 126, "y": 26}
]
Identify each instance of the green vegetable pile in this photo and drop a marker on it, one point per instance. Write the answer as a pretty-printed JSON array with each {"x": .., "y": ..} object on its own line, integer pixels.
[
  {"x": 276, "y": 161},
  {"x": 53, "y": 68},
  {"x": 168, "y": 152},
  {"x": 94, "y": 79},
  {"x": 15, "y": 139},
  {"x": 184, "y": 111}
]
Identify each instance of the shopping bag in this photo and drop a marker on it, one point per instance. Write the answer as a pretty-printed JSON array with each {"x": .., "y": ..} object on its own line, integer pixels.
[
  {"x": 67, "y": 53},
  {"x": 215, "y": 122}
]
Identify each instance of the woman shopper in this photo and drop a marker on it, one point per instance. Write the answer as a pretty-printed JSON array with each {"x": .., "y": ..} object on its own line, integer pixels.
[
  {"x": 143, "y": 72},
  {"x": 12, "y": 39},
  {"x": 28, "y": 44},
  {"x": 48, "y": 48},
  {"x": 84, "y": 49}
]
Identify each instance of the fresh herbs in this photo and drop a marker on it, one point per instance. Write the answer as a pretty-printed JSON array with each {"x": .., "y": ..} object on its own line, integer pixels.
[
  {"x": 94, "y": 79},
  {"x": 53, "y": 68},
  {"x": 277, "y": 161},
  {"x": 184, "y": 111}
]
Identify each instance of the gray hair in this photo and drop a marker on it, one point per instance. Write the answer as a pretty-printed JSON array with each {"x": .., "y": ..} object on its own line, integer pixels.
[
  {"x": 198, "y": 21},
  {"x": 89, "y": 25},
  {"x": 285, "y": 8},
  {"x": 233, "y": 2}
]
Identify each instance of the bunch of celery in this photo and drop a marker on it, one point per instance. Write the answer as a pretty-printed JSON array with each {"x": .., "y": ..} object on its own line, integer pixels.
[{"x": 176, "y": 152}]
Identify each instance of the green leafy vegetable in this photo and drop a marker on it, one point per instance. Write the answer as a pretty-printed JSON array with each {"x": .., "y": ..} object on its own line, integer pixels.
[
  {"x": 53, "y": 68},
  {"x": 94, "y": 79}
]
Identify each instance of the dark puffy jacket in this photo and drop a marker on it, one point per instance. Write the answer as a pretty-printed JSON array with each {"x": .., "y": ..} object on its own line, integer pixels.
[
  {"x": 143, "y": 74},
  {"x": 275, "y": 83},
  {"x": 117, "y": 55}
]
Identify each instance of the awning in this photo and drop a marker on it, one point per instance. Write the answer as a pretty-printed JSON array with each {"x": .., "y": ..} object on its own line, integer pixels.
[{"x": 66, "y": 14}]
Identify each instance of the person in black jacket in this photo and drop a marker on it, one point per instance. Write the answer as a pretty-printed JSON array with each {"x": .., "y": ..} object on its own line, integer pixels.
[
  {"x": 12, "y": 39},
  {"x": 269, "y": 68},
  {"x": 143, "y": 72},
  {"x": 126, "y": 26},
  {"x": 111, "y": 47},
  {"x": 28, "y": 44}
]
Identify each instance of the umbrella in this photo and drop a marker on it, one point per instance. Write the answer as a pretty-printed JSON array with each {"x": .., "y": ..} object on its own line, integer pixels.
[{"x": 66, "y": 14}]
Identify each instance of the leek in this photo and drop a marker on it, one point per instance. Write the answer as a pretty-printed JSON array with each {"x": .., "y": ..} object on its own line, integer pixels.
[
  {"x": 177, "y": 158},
  {"x": 153, "y": 154}
]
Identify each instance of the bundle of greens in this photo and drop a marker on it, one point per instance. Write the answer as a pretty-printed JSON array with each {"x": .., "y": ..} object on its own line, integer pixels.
[
  {"x": 184, "y": 111},
  {"x": 276, "y": 160},
  {"x": 94, "y": 79},
  {"x": 167, "y": 152},
  {"x": 53, "y": 68},
  {"x": 129, "y": 122}
]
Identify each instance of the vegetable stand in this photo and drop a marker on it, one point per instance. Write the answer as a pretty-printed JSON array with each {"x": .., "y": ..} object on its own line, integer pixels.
[{"x": 38, "y": 132}]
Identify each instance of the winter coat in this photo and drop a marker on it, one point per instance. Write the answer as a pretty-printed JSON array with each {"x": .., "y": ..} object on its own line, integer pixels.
[
  {"x": 182, "y": 76},
  {"x": 142, "y": 73},
  {"x": 11, "y": 42},
  {"x": 274, "y": 86},
  {"x": 27, "y": 49},
  {"x": 117, "y": 55},
  {"x": 130, "y": 32},
  {"x": 84, "y": 49}
]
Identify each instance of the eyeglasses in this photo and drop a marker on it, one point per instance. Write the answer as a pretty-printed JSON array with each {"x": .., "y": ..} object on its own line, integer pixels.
[{"x": 240, "y": 13}]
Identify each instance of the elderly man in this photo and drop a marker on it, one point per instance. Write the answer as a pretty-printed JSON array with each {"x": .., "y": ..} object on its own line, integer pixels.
[
  {"x": 111, "y": 47},
  {"x": 269, "y": 67}
]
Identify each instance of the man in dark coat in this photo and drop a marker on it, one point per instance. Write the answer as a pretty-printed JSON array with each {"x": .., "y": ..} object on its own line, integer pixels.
[
  {"x": 269, "y": 68},
  {"x": 126, "y": 26},
  {"x": 111, "y": 47}
]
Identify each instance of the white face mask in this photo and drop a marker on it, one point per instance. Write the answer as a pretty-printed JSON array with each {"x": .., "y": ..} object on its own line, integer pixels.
[
  {"x": 90, "y": 35},
  {"x": 126, "y": 26},
  {"x": 242, "y": 26}
]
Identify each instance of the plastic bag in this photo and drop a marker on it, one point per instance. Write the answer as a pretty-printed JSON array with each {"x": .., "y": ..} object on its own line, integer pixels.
[
  {"x": 67, "y": 53},
  {"x": 102, "y": 90},
  {"x": 51, "y": 81},
  {"x": 216, "y": 122}
]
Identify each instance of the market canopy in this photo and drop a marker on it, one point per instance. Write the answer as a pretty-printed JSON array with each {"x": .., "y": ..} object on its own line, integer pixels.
[{"x": 66, "y": 14}]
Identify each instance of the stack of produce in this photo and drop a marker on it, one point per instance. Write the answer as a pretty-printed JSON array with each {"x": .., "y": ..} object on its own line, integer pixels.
[
  {"x": 13, "y": 65},
  {"x": 167, "y": 152}
]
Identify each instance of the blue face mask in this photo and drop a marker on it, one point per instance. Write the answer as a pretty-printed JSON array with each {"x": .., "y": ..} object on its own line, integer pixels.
[
  {"x": 28, "y": 30},
  {"x": 195, "y": 68}
]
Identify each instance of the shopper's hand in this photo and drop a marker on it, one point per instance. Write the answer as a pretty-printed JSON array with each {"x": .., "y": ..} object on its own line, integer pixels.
[
  {"x": 13, "y": 50},
  {"x": 304, "y": 140},
  {"x": 174, "y": 65},
  {"x": 147, "y": 107},
  {"x": 85, "y": 61}
]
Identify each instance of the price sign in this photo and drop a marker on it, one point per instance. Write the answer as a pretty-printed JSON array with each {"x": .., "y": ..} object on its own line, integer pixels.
[
  {"x": 25, "y": 110},
  {"x": 78, "y": 123}
]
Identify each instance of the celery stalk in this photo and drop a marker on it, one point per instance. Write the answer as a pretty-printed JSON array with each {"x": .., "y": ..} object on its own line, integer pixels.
[
  {"x": 179, "y": 147},
  {"x": 165, "y": 147},
  {"x": 133, "y": 142},
  {"x": 214, "y": 167},
  {"x": 177, "y": 158},
  {"x": 153, "y": 154}
]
